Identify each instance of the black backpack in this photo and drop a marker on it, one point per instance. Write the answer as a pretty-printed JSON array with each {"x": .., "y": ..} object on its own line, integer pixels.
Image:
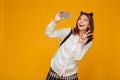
[{"x": 69, "y": 36}]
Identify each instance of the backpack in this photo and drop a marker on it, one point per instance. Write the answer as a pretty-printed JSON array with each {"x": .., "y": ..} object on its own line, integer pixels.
[{"x": 69, "y": 36}]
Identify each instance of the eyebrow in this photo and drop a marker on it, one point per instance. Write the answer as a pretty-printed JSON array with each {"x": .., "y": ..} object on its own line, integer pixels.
[{"x": 84, "y": 18}]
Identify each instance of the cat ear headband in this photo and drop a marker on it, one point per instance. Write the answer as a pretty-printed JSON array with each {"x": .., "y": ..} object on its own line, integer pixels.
[{"x": 91, "y": 14}]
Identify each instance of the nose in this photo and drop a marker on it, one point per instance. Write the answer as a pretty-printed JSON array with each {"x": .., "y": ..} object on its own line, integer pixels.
[{"x": 81, "y": 21}]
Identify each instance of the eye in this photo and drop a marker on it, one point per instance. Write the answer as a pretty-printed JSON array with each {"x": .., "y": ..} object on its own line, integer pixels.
[{"x": 85, "y": 20}]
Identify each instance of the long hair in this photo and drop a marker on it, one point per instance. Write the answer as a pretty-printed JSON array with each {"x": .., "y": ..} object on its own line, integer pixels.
[{"x": 91, "y": 23}]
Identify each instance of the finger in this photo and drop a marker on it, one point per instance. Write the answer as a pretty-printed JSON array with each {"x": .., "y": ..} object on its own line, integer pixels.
[
  {"x": 89, "y": 34},
  {"x": 61, "y": 11}
]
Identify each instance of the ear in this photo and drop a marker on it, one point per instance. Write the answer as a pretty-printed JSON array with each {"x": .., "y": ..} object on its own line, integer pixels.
[
  {"x": 91, "y": 14},
  {"x": 81, "y": 12}
]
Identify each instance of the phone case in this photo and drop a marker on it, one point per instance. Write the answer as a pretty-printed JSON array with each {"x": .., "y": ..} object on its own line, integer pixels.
[{"x": 65, "y": 14}]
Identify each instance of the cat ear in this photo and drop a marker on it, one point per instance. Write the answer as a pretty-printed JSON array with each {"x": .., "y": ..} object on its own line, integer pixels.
[
  {"x": 81, "y": 12},
  {"x": 91, "y": 14}
]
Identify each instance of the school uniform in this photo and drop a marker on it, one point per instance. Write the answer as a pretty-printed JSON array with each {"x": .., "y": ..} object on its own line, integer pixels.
[{"x": 64, "y": 62}]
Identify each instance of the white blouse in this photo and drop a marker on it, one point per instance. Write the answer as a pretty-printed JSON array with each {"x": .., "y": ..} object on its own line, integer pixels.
[{"x": 64, "y": 62}]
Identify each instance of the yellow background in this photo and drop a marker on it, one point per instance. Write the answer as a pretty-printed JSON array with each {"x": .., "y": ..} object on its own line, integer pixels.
[{"x": 26, "y": 51}]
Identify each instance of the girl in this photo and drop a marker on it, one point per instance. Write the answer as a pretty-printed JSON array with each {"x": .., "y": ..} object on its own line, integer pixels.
[{"x": 74, "y": 44}]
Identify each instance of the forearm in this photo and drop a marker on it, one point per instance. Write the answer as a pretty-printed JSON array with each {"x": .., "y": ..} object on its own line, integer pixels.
[
  {"x": 80, "y": 51},
  {"x": 50, "y": 28}
]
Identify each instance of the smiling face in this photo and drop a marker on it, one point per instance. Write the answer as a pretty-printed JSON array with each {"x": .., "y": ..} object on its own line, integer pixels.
[{"x": 83, "y": 23}]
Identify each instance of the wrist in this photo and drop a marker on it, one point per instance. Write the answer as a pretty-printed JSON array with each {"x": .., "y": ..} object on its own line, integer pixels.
[{"x": 55, "y": 21}]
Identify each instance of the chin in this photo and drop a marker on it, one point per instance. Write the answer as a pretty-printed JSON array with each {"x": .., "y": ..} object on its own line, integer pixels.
[{"x": 82, "y": 29}]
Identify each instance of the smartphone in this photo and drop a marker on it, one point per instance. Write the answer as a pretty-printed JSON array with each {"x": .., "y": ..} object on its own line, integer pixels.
[{"x": 65, "y": 14}]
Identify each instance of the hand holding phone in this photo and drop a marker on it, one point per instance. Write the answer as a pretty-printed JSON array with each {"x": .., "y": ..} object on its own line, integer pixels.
[{"x": 61, "y": 15}]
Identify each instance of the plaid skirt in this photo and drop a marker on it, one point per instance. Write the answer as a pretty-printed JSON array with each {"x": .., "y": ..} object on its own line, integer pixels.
[{"x": 54, "y": 76}]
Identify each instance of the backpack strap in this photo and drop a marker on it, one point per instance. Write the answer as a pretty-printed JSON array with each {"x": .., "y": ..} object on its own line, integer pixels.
[
  {"x": 66, "y": 37},
  {"x": 88, "y": 41}
]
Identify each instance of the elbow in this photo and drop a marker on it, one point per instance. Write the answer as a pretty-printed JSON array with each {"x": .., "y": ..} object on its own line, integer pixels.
[
  {"x": 49, "y": 34},
  {"x": 46, "y": 32},
  {"x": 78, "y": 59}
]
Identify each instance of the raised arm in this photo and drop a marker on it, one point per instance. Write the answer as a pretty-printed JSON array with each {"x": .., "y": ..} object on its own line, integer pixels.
[
  {"x": 81, "y": 48},
  {"x": 52, "y": 32}
]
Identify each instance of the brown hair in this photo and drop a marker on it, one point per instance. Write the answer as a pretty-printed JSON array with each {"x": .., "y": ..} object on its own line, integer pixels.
[{"x": 91, "y": 22}]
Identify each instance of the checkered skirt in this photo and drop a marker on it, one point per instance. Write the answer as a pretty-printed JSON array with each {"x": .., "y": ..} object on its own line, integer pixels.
[{"x": 54, "y": 76}]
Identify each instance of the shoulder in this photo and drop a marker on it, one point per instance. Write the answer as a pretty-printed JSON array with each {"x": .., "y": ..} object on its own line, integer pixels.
[{"x": 65, "y": 32}]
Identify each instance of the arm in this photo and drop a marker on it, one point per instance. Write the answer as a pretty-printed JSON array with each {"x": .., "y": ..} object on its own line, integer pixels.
[
  {"x": 80, "y": 51},
  {"x": 60, "y": 33},
  {"x": 50, "y": 30}
]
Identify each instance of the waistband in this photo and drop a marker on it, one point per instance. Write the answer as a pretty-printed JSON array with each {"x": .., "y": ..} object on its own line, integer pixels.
[{"x": 55, "y": 75}]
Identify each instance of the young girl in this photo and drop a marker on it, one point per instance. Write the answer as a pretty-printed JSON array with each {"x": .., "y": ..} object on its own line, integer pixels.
[{"x": 74, "y": 44}]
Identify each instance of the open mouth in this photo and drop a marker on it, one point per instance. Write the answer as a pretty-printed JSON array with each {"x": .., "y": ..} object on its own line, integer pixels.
[{"x": 81, "y": 25}]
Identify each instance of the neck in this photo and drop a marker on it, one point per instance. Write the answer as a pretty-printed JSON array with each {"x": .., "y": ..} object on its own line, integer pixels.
[{"x": 81, "y": 33}]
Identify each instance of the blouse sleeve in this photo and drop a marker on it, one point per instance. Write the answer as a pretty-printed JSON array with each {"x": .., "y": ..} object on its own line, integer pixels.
[
  {"x": 80, "y": 51},
  {"x": 60, "y": 33}
]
